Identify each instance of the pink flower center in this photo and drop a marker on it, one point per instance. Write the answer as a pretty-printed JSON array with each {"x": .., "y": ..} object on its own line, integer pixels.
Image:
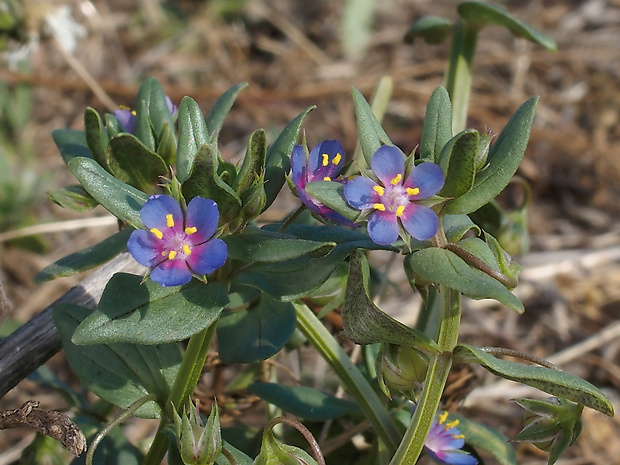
[
  {"x": 174, "y": 244},
  {"x": 394, "y": 197}
]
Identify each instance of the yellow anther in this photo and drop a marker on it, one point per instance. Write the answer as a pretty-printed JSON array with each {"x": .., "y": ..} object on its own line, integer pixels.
[
  {"x": 327, "y": 178},
  {"x": 379, "y": 206},
  {"x": 157, "y": 232},
  {"x": 191, "y": 230},
  {"x": 164, "y": 253},
  {"x": 412, "y": 191},
  {"x": 188, "y": 251},
  {"x": 172, "y": 254},
  {"x": 442, "y": 418},
  {"x": 123, "y": 107},
  {"x": 337, "y": 159},
  {"x": 459, "y": 436},
  {"x": 325, "y": 159},
  {"x": 396, "y": 179},
  {"x": 452, "y": 424},
  {"x": 169, "y": 220},
  {"x": 400, "y": 210},
  {"x": 379, "y": 190}
]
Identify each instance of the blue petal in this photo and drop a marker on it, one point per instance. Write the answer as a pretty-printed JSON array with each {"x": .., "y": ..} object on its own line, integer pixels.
[
  {"x": 172, "y": 108},
  {"x": 453, "y": 458},
  {"x": 383, "y": 227},
  {"x": 202, "y": 214},
  {"x": 298, "y": 167},
  {"x": 428, "y": 177},
  {"x": 420, "y": 221},
  {"x": 127, "y": 119},
  {"x": 208, "y": 257},
  {"x": 154, "y": 211},
  {"x": 143, "y": 248},
  {"x": 317, "y": 169},
  {"x": 387, "y": 163},
  {"x": 360, "y": 194},
  {"x": 171, "y": 273}
]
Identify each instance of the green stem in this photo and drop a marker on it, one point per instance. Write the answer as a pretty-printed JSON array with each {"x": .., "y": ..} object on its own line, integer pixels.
[
  {"x": 459, "y": 71},
  {"x": 413, "y": 442},
  {"x": 354, "y": 382},
  {"x": 184, "y": 385}
]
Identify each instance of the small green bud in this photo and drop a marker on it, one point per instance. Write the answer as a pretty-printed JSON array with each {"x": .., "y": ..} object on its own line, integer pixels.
[
  {"x": 198, "y": 444},
  {"x": 400, "y": 367},
  {"x": 253, "y": 200},
  {"x": 273, "y": 452},
  {"x": 507, "y": 265}
]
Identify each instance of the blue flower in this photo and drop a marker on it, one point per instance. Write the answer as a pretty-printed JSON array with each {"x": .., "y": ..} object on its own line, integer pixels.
[
  {"x": 324, "y": 163},
  {"x": 127, "y": 116},
  {"x": 444, "y": 443},
  {"x": 177, "y": 245},
  {"x": 393, "y": 199}
]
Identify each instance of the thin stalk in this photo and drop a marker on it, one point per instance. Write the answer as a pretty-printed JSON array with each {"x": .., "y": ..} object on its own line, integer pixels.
[
  {"x": 350, "y": 376},
  {"x": 459, "y": 71}
]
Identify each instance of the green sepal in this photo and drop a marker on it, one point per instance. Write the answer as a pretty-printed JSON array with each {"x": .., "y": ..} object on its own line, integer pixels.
[
  {"x": 96, "y": 135},
  {"x": 144, "y": 128},
  {"x": 205, "y": 182},
  {"x": 364, "y": 323},
  {"x": 278, "y": 157},
  {"x": 253, "y": 164},
  {"x": 444, "y": 267},
  {"x": 507, "y": 265},
  {"x": 503, "y": 161},
  {"x": 87, "y": 258},
  {"x": 71, "y": 143},
  {"x": 555, "y": 382},
  {"x": 120, "y": 199},
  {"x": 152, "y": 101},
  {"x": 370, "y": 133},
  {"x": 193, "y": 134},
  {"x": 220, "y": 110},
  {"x": 131, "y": 162},
  {"x": 304, "y": 402},
  {"x": 112, "y": 125},
  {"x": 257, "y": 332},
  {"x": 148, "y": 313},
  {"x": 167, "y": 148},
  {"x": 483, "y": 14},
  {"x": 331, "y": 194},
  {"x": 273, "y": 452},
  {"x": 119, "y": 373},
  {"x": 437, "y": 130},
  {"x": 458, "y": 160},
  {"x": 432, "y": 29},
  {"x": 74, "y": 198}
]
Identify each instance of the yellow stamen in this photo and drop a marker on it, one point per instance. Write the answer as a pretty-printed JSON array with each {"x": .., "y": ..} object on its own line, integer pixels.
[
  {"x": 452, "y": 424},
  {"x": 164, "y": 253},
  {"x": 123, "y": 107},
  {"x": 337, "y": 159},
  {"x": 157, "y": 232},
  {"x": 325, "y": 159},
  {"x": 188, "y": 251},
  {"x": 172, "y": 254},
  {"x": 442, "y": 418},
  {"x": 397, "y": 179},
  {"x": 327, "y": 178},
  {"x": 379, "y": 206},
  {"x": 169, "y": 220},
  {"x": 400, "y": 210},
  {"x": 459, "y": 436},
  {"x": 412, "y": 191},
  {"x": 379, "y": 190},
  {"x": 191, "y": 230}
]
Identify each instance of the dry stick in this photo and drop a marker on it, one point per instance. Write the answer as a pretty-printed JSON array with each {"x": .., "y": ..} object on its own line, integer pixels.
[{"x": 36, "y": 341}]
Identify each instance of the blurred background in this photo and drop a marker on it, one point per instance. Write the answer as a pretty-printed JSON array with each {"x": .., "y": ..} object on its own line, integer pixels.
[{"x": 60, "y": 56}]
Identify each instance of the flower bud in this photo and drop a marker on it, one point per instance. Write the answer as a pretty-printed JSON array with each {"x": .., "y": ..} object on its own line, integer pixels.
[
  {"x": 253, "y": 200},
  {"x": 400, "y": 367},
  {"x": 198, "y": 444}
]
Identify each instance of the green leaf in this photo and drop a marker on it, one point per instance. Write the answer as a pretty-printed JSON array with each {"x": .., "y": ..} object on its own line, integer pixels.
[
  {"x": 205, "y": 182},
  {"x": 220, "y": 110},
  {"x": 332, "y": 194},
  {"x": 483, "y": 14},
  {"x": 71, "y": 143},
  {"x": 74, "y": 198},
  {"x": 364, "y": 323},
  {"x": 432, "y": 29},
  {"x": 96, "y": 135},
  {"x": 149, "y": 313},
  {"x": 256, "y": 245},
  {"x": 253, "y": 163},
  {"x": 131, "y": 162},
  {"x": 112, "y": 125},
  {"x": 503, "y": 161},
  {"x": 356, "y": 27},
  {"x": 255, "y": 333},
  {"x": 119, "y": 373},
  {"x": 167, "y": 148},
  {"x": 154, "y": 98},
  {"x": 370, "y": 133},
  {"x": 437, "y": 130},
  {"x": 448, "y": 269},
  {"x": 487, "y": 439},
  {"x": 144, "y": 128},
  {"x": 555, "y": 382},
  {"x": 304, "y": 402},
  {"x": 278, "y": 157},
  {"x": 456, "y": 226},
  {"x": 87, "y": 258},
  {"x": 120, "y": 199},
  {"x": 193, "y": 134},
  {"x": 458, "y": 159}
]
